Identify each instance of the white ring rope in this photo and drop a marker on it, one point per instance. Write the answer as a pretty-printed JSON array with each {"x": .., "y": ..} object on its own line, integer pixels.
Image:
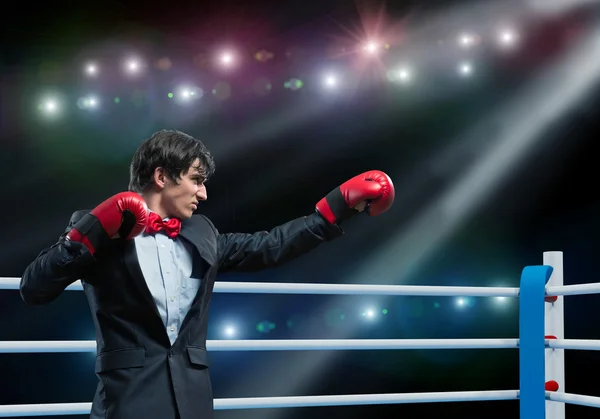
[
  {"x": 590, "y": 401},
  {"x": 578, "y": 289},
  {"x": 11, "y": 283},
  {"x": 278, "y": 345},
  {"x": 312, "y": 401},
  {"x": 337, "y": 289},
  {"x": 276, "y": 402},
  {"x": 583, "y": 344},
  {"x": 54, "y": 346}
]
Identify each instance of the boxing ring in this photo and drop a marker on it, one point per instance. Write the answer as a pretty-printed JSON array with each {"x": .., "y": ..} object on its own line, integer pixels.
[{"x": 541, "y": 345}]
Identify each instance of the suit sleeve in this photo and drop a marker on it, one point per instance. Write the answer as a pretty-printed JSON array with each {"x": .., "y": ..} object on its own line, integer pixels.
[
  {"x": 55, "y": 268},
  {"x": 266, "y": 249}
]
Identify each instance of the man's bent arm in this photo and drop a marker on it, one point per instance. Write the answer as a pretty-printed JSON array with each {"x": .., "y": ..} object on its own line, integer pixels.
[{"x": 55, "y": 268}]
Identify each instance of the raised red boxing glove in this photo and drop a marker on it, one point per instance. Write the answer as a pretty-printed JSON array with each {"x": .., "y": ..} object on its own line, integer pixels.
[
  {"x": 125, "y": 214},
  {"x": 374, "y": 187}
]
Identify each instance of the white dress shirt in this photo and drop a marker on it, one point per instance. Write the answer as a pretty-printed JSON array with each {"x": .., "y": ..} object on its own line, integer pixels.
[{"x": 167, "y": 267}]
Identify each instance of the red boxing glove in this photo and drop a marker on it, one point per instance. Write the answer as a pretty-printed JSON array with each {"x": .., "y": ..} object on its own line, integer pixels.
[
  {"x": 125, "y": 213},
  {"x": 374, "y": 187}
]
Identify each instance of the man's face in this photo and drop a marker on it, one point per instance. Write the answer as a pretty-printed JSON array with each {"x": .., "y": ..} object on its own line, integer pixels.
[{"x": 181, "y": 200}]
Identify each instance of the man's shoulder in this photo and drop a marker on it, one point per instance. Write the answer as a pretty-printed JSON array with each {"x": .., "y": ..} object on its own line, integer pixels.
[{"x": 202, "y": 220}]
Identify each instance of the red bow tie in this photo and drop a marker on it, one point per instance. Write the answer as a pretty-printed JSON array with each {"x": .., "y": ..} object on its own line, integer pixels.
[{"x": 155, "y": 224}]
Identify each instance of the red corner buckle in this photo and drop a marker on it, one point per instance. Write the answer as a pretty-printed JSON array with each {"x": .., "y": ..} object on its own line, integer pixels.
[
  {"x": 551, "y": 385},
  {"x": 550, "y": 298},
  {"x": 549, "y": 337}
]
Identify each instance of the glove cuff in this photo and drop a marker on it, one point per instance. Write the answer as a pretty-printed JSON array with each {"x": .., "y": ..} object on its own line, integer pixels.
[
  {"x": 91, "y": 233},
  {"x": 335, "y": 210}
]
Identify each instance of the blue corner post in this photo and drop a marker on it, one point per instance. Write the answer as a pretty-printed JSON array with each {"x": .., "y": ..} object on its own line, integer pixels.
[{"x": 532, "y": 346}]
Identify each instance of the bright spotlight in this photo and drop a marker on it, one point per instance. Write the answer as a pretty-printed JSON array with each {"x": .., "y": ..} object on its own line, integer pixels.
[
  {"x": 88, "y": 102},
  {"x": 369, "y": 313},
  {"x": 188, "y": 94},
  {"x": 229, "y": 331},
  {"x": 507, "y": 38},
  {"x": 465, "y": 69},
  {"x": 49, "y": 106},
  {"x": 133, "y": 65},
  {"x": 461, "y": 302},
  {"x": 92, "y": 102},
  {"x": 226, "y": 58},
  {"x": 466, "y": 40},
  {"x": 403, "y": 75},
  {"x": 91, "y": 69},
  {"x": 500, "y": 300},
  {"x": 330, "y": 81},
  {"x": 371, "y": 47}
]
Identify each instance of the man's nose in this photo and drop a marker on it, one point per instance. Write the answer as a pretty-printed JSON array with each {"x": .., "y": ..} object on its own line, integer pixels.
[{"x": 201, "y": 194}]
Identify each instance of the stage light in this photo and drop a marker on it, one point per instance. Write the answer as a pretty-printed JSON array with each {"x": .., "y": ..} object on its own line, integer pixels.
[
  {"x": 226, "y": 58},
  {"x": 88, "y": 102},
  {"x": 330, "y": 81},
  {"x": 187, "y": 94},
  {"x": 371, "y": 47},
  {"x": 50, "y": 106},
  {"x": 91, "y": 69},
  {"x": 465, "y": 302},
  {"x": 229, "y": 331},
  {"x": 400, "y": 75},
  {"x": 133, "y": 66},
  {"x": 507, "y": 38},
  {"x": 465, "y": 69},
  {"x": 369, "y": 313},
  {"x": 467, "y": 40}
]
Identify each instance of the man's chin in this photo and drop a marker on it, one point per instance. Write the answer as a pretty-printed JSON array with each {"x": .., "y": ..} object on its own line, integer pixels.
[{"x": 187, "y": 214}]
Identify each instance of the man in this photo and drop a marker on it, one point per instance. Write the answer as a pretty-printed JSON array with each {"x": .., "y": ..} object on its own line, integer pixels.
[{"x": 148, "y": 267}]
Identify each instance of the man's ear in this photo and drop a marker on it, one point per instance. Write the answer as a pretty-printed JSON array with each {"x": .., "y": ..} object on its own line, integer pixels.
[{"x": 159, "y": 177}]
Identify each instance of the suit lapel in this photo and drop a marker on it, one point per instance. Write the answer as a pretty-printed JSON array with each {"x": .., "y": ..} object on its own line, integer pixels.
[
  {"x": 205, "y": 249},
  {"x": 133, "y": 266},
  {"x": 202, "y": 265}
]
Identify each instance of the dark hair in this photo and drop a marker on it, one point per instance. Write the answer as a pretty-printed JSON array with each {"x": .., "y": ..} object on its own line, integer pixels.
[{"x": 174, "y": 151}]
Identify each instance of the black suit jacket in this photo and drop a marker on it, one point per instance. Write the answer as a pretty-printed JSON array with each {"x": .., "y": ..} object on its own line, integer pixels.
[{"x": 141, "y": 375}]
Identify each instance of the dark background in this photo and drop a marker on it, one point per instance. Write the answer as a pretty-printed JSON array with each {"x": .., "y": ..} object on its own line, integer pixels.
[{"x": 278, "y": 151}]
